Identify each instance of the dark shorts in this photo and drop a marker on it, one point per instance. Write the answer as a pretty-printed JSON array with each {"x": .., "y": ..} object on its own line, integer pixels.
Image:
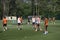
[
  {"x": 28, "y": 20},
  {"x": 46, "y": 26},
  {"x": 37, "y": 24},
  {"x": 33, "y": 23},
  {"x": 4, "y": 25},
  {"x": 19, "y": 23}
]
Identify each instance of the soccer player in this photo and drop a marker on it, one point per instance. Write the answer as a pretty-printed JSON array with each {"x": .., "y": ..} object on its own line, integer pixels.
[
  {"x": 53, "y": 20},
  {"x": 46, "y": 25},
  {"x": 33, "y": 22},
  {"x": 19, "y": 23},
  {"x": 50, "y": 19},
  {"x": 39, "y": 21},
  {"x": 38, "y": 27},
  {"x": 28, "y": 19},
  {"x": 4, "y": 24},
  {"x": 36, "y": 23}
]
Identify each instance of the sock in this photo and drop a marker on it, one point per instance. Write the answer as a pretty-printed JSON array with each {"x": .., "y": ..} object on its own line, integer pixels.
[{"x": 6, "y": 28}]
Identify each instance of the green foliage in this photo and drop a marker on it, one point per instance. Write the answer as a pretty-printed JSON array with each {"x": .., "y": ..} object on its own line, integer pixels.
[
  {"x": 0, "y": 9},
  {"x": 21, "y": 8}
]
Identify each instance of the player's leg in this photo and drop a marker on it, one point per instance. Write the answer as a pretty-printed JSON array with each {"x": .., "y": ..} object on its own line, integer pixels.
[
  {"x": 18, "y": 26},
  {"x": 21, "y": 26},
  {"x": 54, "y": 22},
  {"x": 46, "y": 29},
  {"x": 33, "y": 25},
  {"x": 5, "y": 26},
  {"x": 40, "y": 28},
  {"x": 36, "y": 27},
  {"x": 28, "y": 21}
]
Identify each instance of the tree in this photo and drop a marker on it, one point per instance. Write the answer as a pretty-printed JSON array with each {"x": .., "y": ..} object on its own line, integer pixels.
[
  {"x": 45, "y": 8},
  {"x": 3, "y": 5},
  {"x": 0, "y": 9},
  {"x": 12, "y": 8}
]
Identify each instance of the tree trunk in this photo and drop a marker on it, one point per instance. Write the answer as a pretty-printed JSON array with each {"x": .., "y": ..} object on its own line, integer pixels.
[{"x": 3, "y": 5}]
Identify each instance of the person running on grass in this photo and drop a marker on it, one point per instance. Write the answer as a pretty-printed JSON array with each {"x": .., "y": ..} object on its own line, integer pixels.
[
  {"x": 46, "y": 25},
  {"x": 53, "y": 20},
  {"x": 38, "y": 27},
  {"x": 39, "y": 22},
  {"x": 28, "y": 19},
  {"x": 36, "y": 23},
  {"x": 33, "y": 22},
  {"x": 19, "y": 23},
  {"x": 4, "y": 24}
]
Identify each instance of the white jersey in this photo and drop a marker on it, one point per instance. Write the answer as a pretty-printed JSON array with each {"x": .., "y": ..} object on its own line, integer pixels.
[
  {"x": 37, "y": 20},
  {"x": 19, "y": 20},
  {"x": 33, "y": 19}
]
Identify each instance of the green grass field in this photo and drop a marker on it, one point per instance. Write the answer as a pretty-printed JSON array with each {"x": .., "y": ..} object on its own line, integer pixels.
[{"x": 29, "y": 34}]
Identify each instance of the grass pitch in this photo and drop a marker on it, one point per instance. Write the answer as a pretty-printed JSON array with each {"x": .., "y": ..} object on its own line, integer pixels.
[{"x": 28, "y": 33}]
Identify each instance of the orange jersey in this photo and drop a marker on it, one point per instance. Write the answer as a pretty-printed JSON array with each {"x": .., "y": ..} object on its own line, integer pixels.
[
  {"x": 4, "y": 21},
  {"x": 46, "y": 21}
]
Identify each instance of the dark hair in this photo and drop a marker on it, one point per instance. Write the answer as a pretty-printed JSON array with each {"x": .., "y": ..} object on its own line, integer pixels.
[{"x": 4, "y": 17}]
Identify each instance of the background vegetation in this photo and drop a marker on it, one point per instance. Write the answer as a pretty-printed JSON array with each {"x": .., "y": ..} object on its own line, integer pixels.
[{"x": 49, "y": 8}]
